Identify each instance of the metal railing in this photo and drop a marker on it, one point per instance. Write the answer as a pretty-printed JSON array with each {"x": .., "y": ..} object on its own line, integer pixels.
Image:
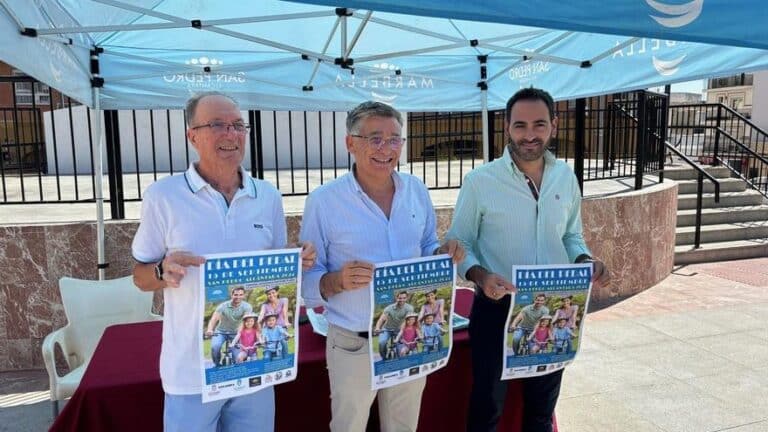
[
  {"x": 701, "y": 174},
  {"x": 605, "y": 137},
  {"x": 299, "y": 151},
  {"x": 715, "y": 134}
]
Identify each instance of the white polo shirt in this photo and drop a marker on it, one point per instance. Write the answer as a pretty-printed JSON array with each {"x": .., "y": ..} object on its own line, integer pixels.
[{"x": 184, "y": 213}]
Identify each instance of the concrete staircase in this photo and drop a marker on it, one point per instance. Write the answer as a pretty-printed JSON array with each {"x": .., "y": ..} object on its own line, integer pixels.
[{"x": 734, "y": 228}]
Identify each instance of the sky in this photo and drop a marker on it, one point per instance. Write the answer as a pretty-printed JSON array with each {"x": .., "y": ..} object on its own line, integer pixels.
[{"x": 696, "y": 86}]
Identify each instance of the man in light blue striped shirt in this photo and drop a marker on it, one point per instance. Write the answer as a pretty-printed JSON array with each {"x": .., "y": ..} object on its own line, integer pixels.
[
  {"x": 523, "y": 208},
  {"x": 371, "y": 215}
]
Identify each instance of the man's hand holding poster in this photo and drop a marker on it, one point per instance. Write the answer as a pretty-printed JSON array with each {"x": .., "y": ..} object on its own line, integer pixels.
[
  {"x": 411, "y": 305},
  {"x": 545, "y": 320},
  {"x": 249, "y": 337}
]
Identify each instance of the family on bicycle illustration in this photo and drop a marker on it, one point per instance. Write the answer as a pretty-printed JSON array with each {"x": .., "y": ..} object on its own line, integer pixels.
[
  {"x": 533, "y": 330},
  {"x": 402, "y": 332},
  {"x": 237, "y": 334}
]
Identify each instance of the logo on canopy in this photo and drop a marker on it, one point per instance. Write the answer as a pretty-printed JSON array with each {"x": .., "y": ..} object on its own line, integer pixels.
[
  {"x": 381, "y": 82},
  {"x": 527, "y": 71},
  {"x": 678, "y": 15},
  {"x": 203, "y": 80},
  {"x": 667, "y": 67},
  {"x": 653, "y": 47}
]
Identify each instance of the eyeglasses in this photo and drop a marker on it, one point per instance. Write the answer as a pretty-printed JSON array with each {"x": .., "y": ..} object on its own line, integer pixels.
[
  {"x": 223, "y": 127},
  {"x": 394, "y": 142}
]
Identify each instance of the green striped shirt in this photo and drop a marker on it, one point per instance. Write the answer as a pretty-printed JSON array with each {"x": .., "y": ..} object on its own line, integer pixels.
[{"x": 501, "y": 224}]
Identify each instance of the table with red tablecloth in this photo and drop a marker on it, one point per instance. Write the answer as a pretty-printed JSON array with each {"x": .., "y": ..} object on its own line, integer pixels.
[{"x": 121, "y": 389}]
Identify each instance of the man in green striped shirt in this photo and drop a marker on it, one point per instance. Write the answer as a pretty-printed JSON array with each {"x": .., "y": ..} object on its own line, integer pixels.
[{"x": 523, "y": 208}]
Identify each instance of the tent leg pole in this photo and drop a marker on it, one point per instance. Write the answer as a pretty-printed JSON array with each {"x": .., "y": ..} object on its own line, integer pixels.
[
  {"x": 486, "y": 138},
  {"x": 97, "y": 178}
]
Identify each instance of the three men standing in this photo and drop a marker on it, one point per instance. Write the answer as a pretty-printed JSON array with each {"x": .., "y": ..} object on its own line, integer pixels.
[{"x": 523, "y": 208}]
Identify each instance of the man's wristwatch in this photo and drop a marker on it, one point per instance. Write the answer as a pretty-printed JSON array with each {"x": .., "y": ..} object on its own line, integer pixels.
[
  {"x": 159, "y": 270},
  {"x": 583, "y": 258}
]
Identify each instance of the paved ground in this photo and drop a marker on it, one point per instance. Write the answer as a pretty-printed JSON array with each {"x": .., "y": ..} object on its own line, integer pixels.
[{"x": 690, "y": 354}]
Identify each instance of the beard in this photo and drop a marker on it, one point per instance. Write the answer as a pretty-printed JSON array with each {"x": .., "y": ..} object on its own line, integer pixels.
[{"x": 519, "y": 151}]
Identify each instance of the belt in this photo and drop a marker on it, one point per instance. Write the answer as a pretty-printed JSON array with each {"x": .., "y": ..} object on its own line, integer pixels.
[{"x": 360, "y": 334}]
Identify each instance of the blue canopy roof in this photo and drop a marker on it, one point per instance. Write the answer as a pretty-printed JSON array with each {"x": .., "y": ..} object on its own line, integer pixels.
[
  {"x": 289, "y": 56},
  {"x": 720, "y": 22}
]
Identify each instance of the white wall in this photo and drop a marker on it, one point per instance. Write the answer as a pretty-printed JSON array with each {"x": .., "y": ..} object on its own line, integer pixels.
[
  {"x": 137, "y": 148},
  {"x": 760, "y": 99}
]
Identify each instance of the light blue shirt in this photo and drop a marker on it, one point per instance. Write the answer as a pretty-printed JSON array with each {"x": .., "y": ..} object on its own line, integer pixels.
[
  {"x": 345, "y": 225},
  {"x": 500, "y": 223}
]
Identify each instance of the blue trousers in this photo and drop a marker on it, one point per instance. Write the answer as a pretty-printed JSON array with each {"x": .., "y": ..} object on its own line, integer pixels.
[{"x": 486, "y": 401}]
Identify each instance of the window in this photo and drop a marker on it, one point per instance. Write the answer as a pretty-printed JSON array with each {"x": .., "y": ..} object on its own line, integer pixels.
[{"x": 24, "y": 92}]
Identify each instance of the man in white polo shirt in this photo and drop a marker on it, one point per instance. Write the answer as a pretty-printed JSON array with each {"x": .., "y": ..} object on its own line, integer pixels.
[
  {"x": 370, "y": 215},
  {"x": 215, "y": 207}
]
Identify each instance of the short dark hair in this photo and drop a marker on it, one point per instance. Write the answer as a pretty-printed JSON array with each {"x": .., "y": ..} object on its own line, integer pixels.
[
  {"x": 238, "y": 288},
  {"x": 370, "y": 109},
  {"x": 401, "y": 292},
  {"x": 540, "y": 295},
  {"x": 531, "y": 94}
]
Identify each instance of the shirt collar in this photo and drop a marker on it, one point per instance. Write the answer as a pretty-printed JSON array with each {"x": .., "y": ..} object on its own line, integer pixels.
[
  {"x": 356, "y": 186},
  {"x": 549, "y": 159},
  {"x": 196, "y": 182}
]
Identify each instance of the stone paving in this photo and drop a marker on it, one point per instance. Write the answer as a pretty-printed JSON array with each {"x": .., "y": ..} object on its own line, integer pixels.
[{"x": 689, "y": 354}]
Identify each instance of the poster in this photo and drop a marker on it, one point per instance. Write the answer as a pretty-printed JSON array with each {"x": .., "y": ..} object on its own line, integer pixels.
[
  {"x": 545, "y": 319},
  {"x": 412, "y": 310},
  {"x": 249, "y": 339}
]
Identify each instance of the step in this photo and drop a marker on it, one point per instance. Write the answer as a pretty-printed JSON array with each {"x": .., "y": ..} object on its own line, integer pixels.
[
  {"x": 722, "y": 232},
  {"x": 727, "y": 199},
  {"x": 722, "y": 215},
  {"x": 683, "y": 171},
  {"x": 726, "y": 185},
  {"x": 721, "y": 251}
]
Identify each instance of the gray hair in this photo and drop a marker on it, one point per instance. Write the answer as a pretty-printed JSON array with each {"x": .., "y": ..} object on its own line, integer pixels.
[
  {"x": 193, "y": 101},
  {"x": 370, "y": 109}
]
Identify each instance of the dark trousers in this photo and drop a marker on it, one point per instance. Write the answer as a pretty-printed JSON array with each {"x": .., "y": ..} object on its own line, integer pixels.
[{"x": 486, "y": 402}]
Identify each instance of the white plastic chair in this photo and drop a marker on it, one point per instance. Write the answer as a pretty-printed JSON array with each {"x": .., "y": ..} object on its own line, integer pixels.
[{"x": 90, "y": 307}]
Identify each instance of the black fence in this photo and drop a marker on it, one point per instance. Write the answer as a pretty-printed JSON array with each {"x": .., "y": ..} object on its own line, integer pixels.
[
  {"x": 605, "y": 137},
  {"x": 716, "y": 134},
  {"x": 50, "y": 157}
]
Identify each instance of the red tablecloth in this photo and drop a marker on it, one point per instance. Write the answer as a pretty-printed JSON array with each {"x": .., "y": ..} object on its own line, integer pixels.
[{"x": 121, "y": 388}]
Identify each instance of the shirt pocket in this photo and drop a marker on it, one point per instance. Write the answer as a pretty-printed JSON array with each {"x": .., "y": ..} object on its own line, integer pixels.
[{"x": 558, "y": 212}]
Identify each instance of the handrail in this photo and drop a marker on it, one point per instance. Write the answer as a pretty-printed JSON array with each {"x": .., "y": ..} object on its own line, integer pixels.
[
  {"x": 741, "y": 144},
  {"x": 727, "y": 108},
  {"x": 700, "y": 178},
  {"x": 699, "y": 193}
]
